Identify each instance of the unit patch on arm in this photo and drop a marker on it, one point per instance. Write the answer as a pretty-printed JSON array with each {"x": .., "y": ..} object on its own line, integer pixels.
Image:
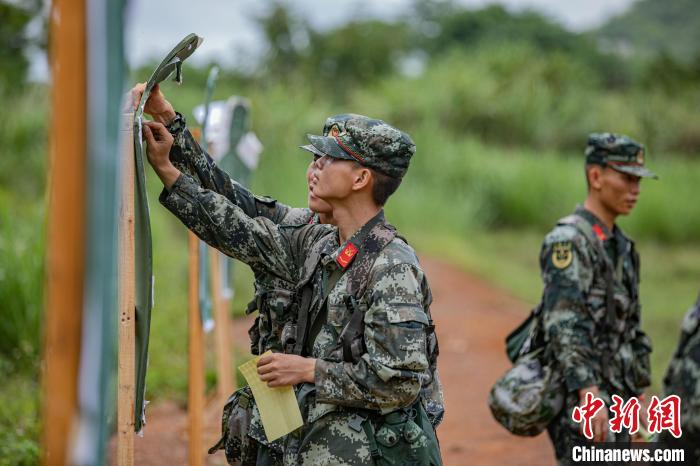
[{"x": 562, "y": 254}]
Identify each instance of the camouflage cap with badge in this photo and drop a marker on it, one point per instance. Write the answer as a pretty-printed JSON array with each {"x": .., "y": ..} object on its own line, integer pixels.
[
  {"x": 618, "y": 152},
  {"x": 333, "y": 126},
  {"x": 371, "y": 143}
]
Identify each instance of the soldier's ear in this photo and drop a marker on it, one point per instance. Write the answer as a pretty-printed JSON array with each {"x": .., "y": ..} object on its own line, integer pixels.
[
  {"x": 594, "y": 174},
  {"x": 363, "y": 177}
]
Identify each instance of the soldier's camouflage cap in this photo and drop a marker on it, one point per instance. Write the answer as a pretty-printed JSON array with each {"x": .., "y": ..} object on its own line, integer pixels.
[
  {"x": 618, "y": 152},
  {"x": 333, "y": 126},
  {"x": 370, "y": 142}
]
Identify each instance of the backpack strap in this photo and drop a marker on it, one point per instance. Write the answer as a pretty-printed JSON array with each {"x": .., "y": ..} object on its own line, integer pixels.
[
  {"x": 350, "y": 338},
  {"x": 305, "y": 290}
]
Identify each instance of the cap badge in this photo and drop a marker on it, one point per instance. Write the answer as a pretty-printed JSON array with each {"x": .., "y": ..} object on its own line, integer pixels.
[{"x": 640, "y": 157}]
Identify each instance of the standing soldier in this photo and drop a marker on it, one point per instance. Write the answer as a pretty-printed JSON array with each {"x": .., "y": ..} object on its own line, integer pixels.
[
  {"x": 363, "y": 331},
  {"x": 590, "y": 307},
  {"x": 683, "y": 379}
]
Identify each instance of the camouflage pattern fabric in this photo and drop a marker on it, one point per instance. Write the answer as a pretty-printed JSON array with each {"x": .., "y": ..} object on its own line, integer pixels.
[
  {"x": 683, "y": 379},
  {"x": 618, "y": 152},
  {"x": 273, "y": 295},
  {"x": 372, "y": 143},
  {"x": 389, "y": 376},
  {"x": 528, "y": 396},
  {"x": 392, "y": 371},
  {"x": 588, "y": 347},
  {"x": 247, "y": 443}
]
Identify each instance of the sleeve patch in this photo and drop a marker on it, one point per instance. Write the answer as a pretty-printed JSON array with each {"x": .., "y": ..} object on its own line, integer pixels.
[{"x": 562, "y": 254}]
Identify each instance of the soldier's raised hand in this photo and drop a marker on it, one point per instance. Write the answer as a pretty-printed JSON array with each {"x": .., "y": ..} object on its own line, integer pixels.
[
  {"x": 159, "y": 141},
  {"x": 156, "y": 106}
]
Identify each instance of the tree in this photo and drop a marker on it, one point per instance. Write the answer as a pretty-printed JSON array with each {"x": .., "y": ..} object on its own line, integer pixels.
[{"x": 13, "y": 35}]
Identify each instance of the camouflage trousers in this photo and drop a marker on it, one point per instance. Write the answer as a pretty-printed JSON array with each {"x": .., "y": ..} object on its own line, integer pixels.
[{"x": 566, "y": 434}]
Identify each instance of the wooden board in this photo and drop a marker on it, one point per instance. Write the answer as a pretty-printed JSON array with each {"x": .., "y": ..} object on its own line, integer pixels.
[{"x": 65, "y": 244}]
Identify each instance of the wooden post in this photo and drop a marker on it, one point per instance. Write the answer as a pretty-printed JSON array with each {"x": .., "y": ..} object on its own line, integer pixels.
[
  {"x": 195, "y": 405},
  {"x": 127, "y": 301},
  {"x": 65, "y": 243},
  {"x": 222, "y": 334}
]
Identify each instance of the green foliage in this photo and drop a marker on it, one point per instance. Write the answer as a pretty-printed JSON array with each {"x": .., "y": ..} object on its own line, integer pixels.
[
  {"x": 20, "y": 426},
  {"x": 510, "y": 94},
  {"x": 283, "y": 32},
  {"x": 24, "y": 136},
  {"x": 356, "y": 53},
  {"x": 13, "y": 37},
  {"x": 653, "y": 26},
  {"x": 21, "y": 280},
  {"x": 445, "y": 25}
]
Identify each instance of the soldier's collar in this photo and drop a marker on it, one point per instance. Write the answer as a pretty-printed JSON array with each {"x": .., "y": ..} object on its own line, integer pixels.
[
  {"x": 599, "y": 228},
  {"x": 345, "y": 254}
]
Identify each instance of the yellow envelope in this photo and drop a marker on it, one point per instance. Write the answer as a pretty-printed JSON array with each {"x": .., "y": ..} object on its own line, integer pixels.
[{"x": 278, "y": 406}]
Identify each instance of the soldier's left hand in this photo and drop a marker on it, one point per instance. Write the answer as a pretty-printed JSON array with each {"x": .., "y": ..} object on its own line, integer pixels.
[
  {"x": 159, "y": 142},
  {"x": 278, "y": 369}
]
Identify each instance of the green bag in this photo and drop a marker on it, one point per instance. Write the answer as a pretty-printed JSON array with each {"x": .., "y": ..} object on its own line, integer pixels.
[
  {"x": 528, "y": 396},
  {"x": 402, "y": 437},
  {"x": 531, "y": 393}
]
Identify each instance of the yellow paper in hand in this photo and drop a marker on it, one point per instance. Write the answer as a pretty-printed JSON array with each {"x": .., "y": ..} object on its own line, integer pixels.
[{"x": 278, "y": 406}]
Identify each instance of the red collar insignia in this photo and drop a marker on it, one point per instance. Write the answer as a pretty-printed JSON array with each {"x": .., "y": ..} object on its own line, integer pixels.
[
  {"x": 599, "y": 232},
  {"x": 346, "y": 255}
]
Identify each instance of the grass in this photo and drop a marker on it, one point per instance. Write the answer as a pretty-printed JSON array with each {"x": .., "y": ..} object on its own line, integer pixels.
[
  {"x": 473, "y": 197},
  {"x": 509, "y": 259},
  {"x": 21, "y": 281},
  {"x": 20, "y": 426}
]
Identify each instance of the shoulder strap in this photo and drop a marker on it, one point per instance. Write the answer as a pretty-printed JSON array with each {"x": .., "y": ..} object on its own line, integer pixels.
[
  {"x": 358, "y": 279},
  {"x": 306, "y": 290},
  {"x": 358, "y": 272}
]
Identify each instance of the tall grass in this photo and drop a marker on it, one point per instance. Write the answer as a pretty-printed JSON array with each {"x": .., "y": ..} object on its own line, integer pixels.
[
  {"x": 21, "y": 283},
  {"x": 22, "y": 180}
]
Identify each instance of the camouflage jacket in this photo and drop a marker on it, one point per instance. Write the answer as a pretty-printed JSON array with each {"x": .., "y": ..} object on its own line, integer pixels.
[
  {"x": 273, "y": 295},
  {"x": 579, "y": 334},
  {"x": 390, "y": 375},
  {"x": 683, "y": 375}
]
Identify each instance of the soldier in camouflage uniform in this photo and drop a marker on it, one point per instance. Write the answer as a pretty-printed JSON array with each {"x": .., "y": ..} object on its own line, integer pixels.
[
  {"x": 350, "y": 406},
  {"x": 597, "y": 344},
  {"x": 683, "y": 379},
  {"x": 272, "y": 295}
]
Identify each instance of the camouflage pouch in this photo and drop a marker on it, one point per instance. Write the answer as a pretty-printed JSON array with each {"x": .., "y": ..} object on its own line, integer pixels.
[
  {"x": 528, "y": 396},
  {"x": 239, "y": 447},
  {"x": 242, "y": 432},
  {"x": 403, "y": 437}
]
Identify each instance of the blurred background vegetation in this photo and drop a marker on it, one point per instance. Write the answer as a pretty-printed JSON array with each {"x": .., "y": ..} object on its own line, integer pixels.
[{"x": 499, "y": 104}]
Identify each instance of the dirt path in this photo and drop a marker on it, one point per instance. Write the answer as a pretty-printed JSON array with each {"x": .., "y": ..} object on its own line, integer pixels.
[{"x": 472, "y": 319}]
